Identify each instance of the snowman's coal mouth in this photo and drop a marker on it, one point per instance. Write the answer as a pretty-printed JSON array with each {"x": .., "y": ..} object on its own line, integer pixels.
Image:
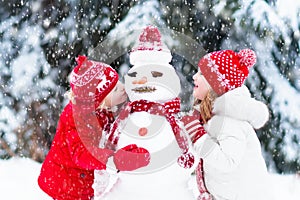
[{"x": 144, "y": 89}]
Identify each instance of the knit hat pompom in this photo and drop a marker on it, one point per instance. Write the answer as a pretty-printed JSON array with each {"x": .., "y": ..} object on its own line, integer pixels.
[
  {"x": 80, "y": 60},
  {"x": 150, "y": 39},
  {"x": 150, "y": 48},
  {"x": 247, "y": 58},
  {"x": 225, "y": 69}
]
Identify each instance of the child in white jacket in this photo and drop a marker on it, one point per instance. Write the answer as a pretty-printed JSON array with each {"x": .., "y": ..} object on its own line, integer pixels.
[{"x": 233, "y": 165}]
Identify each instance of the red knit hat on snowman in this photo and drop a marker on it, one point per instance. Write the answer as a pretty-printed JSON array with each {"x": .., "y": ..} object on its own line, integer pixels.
[
  {"x": 150, "y": 48},
  {"x": 225, "y": 70},
  {"x": 92, "y": 81}
]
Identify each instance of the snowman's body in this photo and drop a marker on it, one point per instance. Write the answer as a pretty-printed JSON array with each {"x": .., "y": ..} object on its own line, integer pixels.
[
  {"x": 168, "y": 183},
  {"x": 163, "y": 177},
  {"x": 153, "y": 79}
]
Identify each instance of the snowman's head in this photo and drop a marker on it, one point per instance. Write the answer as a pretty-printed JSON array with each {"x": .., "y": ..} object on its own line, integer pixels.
[
  {"x": 152, "y": 82},
  {"x": 151, "y": 78}
]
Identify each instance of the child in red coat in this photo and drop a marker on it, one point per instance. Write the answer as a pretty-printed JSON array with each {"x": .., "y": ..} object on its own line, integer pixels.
[{"x": 68, "y": 170}]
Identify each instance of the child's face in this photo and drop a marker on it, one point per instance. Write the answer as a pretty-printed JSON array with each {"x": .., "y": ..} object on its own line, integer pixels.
[
  {"x": 116, "y": 96},
  {"x": 201, "y": 87}
]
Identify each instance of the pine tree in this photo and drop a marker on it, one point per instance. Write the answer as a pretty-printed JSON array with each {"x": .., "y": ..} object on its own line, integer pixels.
[
  {"x": 52, "y": 33},
  {"x": 274, "y": 80},
  {"x": 39, "y": 43}
]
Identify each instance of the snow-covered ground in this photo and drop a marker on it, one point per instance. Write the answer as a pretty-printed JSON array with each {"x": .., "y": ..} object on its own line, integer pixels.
[{"x": 18, "y": 181}]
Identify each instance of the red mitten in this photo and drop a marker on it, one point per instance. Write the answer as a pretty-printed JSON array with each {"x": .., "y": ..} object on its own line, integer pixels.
[
  {"x": 131, "y": 157},
  {"x": 193, "y": 125}
]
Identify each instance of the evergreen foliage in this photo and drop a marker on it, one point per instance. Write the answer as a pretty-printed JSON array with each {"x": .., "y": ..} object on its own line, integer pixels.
[{"x": 40, "y": 40}]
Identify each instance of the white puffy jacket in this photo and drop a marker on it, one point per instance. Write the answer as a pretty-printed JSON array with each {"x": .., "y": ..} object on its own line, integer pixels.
[{"x": 233, "y": 163}]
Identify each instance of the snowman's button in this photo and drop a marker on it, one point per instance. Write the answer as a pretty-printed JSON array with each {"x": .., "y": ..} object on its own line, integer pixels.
[{"x": 143, "y": 131}]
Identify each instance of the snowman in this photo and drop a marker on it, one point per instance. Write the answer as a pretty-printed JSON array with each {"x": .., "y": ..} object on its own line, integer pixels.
[{"x": 150, "y": 121}]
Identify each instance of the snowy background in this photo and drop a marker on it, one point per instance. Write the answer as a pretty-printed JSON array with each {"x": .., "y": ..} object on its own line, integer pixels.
[{"x": 39, "y": 40}]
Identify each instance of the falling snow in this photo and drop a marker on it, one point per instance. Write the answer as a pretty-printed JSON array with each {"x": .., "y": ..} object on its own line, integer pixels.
[{"x": 39, "y": 42}]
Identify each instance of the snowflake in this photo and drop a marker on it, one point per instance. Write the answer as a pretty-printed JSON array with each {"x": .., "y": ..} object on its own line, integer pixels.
[
  {"x": 225, "y": 82},
  {"x": 221, "y": 77},
  {"x": 212, "y": 64},
  {"x": 231, "y": 87},
  {"x": 215, "y": 68}
]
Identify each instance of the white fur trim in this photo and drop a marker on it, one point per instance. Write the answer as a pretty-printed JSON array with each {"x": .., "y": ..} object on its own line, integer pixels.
[{"x": 150, "y": 56}]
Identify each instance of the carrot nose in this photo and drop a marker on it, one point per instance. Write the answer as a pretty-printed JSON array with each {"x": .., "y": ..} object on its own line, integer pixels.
[{"x": 142, "y": 80}]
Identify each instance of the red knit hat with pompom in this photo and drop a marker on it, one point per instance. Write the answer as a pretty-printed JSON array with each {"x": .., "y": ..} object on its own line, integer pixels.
[
  {"x": 150, "y": 39},
  {"x": 150, "y": 48},
  {"x": 92, "y": 81},
  {"x": 225, "y": 70}
]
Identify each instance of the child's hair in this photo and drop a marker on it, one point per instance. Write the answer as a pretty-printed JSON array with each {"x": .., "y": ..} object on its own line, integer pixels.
[
  {"x": 206, "y": 105},
  {"x": 70, "y": 95}
]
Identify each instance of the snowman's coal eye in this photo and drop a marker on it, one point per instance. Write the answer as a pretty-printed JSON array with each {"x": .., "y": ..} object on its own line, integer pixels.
[
  {"x": 133, "y": 74},
  {"x": 156, "y": 74}
]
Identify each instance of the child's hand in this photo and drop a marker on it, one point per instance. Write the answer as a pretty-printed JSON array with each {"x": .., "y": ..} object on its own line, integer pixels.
[
  {"x": 131, "y": 157},
  {"x": 193, "y": 125}
]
